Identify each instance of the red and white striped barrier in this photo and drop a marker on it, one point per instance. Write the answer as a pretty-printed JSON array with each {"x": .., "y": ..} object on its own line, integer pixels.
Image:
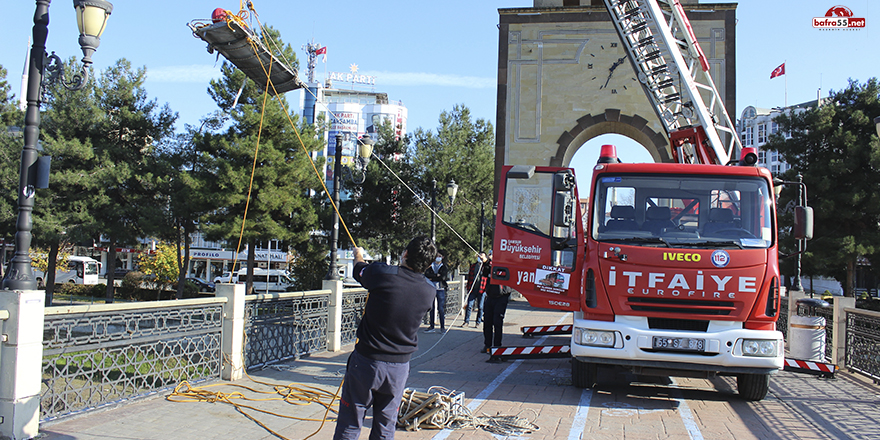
[
  {"x": 534, "y": 351},
  {"x": 547, "y": 330},
  {"x": 810, "y": 367}
]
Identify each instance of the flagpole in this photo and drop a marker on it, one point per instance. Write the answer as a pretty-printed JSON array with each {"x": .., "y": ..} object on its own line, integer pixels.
[{"x": 786, "y": 85}]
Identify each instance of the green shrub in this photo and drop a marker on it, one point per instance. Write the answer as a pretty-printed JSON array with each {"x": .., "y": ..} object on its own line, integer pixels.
[
  {"x": 190, "y": 290},
  {"x": 71, "y": 289},
  {"x": 99, "y": 291}
]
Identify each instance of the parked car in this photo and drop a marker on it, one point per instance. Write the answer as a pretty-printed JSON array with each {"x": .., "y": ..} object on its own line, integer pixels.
[
  {"x": 225, "y": 278},
  {"x": 204, "y": 286}
]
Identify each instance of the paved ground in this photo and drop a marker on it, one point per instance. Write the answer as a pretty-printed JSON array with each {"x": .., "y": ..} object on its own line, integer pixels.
[{"x": 622, "y": 407}]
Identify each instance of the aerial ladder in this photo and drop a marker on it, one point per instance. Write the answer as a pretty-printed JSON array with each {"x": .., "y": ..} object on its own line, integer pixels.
[{"x": 674, "y": 73}]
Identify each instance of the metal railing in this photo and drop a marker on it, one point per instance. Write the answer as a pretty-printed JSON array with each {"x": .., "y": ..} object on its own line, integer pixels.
[
  {"x": 284, "y": 326},
  {"x": 353, "y": 303},
  {"x": 863, "y": 342},
  {"x": 454, "y": 302},
  {"x": 782, "y": 321},
  {"x": 99, "y": 354},
  {"x": 96, "y": 355}
]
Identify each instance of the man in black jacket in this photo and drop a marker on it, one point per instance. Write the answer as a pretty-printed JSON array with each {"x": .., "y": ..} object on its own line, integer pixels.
[
  {"x": 497, "y": 297},
  {"x": 437, "y": 273},
  {"x": 387, "y": 337}
]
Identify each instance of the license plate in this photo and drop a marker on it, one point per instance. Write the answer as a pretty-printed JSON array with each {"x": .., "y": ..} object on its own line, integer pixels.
[{"x": 684, "y": 344}]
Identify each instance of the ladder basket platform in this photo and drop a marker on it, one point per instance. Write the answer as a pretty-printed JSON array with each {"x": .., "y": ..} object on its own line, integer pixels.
[{"x": 243, "y": 48}]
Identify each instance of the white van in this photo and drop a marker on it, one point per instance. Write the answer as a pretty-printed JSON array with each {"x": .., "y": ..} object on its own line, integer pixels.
[
  {"x": 79, "y": 270},
  {"x": 272, "y": 280}
]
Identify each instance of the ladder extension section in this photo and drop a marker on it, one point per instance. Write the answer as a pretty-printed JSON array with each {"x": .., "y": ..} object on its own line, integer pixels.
[{"x": 674, "y": 74}]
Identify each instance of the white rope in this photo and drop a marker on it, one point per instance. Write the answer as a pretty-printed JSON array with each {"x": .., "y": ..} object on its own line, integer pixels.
[{"x": 441, "y": 408}]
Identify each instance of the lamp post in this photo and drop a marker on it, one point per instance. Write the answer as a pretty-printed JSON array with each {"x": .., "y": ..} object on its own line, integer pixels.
[
  {"x": 451, "y": 192},
  {"x": 365, "y": 150},
  {"x": 91, "y": 18},
  {"x": 800, "y": 243}
]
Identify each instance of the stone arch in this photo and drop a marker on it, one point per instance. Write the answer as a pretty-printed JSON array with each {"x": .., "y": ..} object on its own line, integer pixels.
[{"x": 611, "y": 121}]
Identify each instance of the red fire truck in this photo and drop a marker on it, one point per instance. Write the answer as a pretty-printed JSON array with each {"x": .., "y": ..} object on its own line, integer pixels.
[{"x": 674, "y": 268}]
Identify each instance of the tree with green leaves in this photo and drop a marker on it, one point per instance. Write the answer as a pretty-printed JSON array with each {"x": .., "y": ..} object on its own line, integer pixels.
[
  {"x": 262, "y": 175},
  {"x": 462, "y": 150},
  {"x": 62, "y": 214},
  {"x": 163, "y": 266},
  {"x": 127, "y": 194},
  {"x": 11, "y": 143},
  {"x": 186, "y": 186},
  {"x": 835, "y": 147}
]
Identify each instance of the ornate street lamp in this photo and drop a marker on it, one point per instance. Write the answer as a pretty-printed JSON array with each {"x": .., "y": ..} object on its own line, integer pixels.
[
  {"x": 91, "y": 18},
  {"x": 365, "y": 150},
  {"x": 451, "y": 191}
]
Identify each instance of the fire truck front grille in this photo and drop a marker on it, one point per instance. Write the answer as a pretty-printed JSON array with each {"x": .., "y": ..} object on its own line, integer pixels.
[
  {"x": 682, "y": 306},
  {"x": 678, "y": 324}
]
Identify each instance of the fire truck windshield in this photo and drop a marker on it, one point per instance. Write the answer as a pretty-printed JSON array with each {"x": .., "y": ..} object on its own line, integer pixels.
[{"x": 683, "y": 211}]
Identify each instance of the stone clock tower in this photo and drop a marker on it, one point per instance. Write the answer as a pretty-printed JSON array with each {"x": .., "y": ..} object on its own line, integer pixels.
[{"x": 564, "y": 78}]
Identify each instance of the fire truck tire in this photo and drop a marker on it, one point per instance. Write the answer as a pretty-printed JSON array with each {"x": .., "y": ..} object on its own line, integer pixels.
[
  {"x": 583, "y": 374},
  {"x": 753, "y": 386}
]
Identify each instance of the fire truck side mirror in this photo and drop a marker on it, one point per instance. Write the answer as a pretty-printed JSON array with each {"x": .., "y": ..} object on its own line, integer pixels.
[
  {"x": 803, "y": 223},
  {"x": 563, "y": 181},
  {"x": 562, "y": 210}
]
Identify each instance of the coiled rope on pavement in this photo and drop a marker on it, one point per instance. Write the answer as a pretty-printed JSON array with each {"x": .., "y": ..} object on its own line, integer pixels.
[{"x": 441, "y": 408}]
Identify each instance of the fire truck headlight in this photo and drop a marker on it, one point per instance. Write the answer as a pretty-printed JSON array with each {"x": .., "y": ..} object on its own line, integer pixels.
[
  {"x": 596, "y": 338},
  {"x": 760, "y": 347}
]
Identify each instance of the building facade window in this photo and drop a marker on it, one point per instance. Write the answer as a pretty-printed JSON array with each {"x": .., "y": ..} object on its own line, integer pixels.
[
  {"x": 762, "y": 134},
  {"x": 747, "y": 136}
]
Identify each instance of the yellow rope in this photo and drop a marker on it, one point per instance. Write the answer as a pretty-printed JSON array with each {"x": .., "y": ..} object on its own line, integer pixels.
[
  {"x": 301, "y": 143},
  {"x": 185, "y": 392}
]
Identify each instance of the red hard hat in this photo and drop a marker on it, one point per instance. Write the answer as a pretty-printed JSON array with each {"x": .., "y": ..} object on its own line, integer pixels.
[{"x": 218, "y": 15}]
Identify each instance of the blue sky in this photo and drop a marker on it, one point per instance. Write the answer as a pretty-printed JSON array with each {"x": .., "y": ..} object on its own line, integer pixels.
[{"x": 434, "y": 55}]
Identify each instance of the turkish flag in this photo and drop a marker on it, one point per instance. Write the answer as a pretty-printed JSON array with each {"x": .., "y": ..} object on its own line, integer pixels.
[{"x": 779, "y": 71}]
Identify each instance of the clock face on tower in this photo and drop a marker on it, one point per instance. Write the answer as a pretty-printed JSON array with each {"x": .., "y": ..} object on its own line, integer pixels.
[{"x": 612, "y": 73}]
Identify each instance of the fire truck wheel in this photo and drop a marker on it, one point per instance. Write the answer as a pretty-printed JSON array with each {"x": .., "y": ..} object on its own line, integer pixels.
[
  {"x": 753, "y": 386},
  {"x": 583, "y": 374}
]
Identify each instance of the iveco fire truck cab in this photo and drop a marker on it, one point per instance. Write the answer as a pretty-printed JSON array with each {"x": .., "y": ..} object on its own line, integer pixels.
[{"x": 672, "y": 269}]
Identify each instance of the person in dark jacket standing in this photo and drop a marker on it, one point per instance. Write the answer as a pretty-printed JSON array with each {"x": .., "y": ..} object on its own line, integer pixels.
[
  {"x": 437, "y": 273},
  {"x": 478, "y": 275},
  {"x": 387, "y": 336},
  {"x": 497, "y": 297}
]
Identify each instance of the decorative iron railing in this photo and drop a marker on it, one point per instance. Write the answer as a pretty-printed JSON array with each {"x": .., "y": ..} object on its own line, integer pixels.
[
  {"x": 782, "y": 322},
  {"x": 863, "y": 342},
  {"x": 353, "y": 303},
  {"x": 284, "y": 326},
  {"x": 99, "y": 354}
]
